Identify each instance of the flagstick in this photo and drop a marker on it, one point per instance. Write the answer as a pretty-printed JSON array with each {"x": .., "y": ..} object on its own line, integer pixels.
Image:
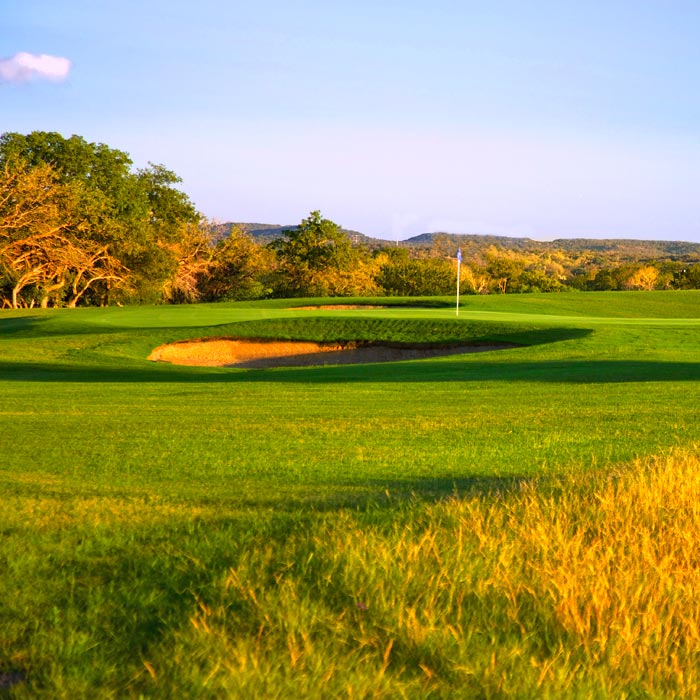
[{"x": 459, "y": 262}]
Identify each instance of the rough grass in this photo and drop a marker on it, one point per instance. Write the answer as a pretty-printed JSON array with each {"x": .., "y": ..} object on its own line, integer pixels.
[{"x": 585, "y": 586}]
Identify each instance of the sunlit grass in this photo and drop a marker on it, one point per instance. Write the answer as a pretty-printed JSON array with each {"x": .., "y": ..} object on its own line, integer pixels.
[{"x": 582, "y": 586}]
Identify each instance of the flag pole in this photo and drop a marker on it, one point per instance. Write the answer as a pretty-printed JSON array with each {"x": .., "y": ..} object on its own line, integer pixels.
[{"x": 459, "y": 262}]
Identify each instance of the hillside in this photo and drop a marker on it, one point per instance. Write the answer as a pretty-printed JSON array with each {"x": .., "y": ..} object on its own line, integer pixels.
[
  {"x": 618, "y": 248},
  {"x": 264, "y": 233}
]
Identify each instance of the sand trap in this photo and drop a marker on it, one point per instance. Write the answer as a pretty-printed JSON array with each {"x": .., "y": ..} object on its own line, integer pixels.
[{"x": 230, "y": 352}]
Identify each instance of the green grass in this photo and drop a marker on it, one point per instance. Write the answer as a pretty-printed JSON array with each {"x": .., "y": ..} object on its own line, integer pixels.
[{"x": 131, "y": 490}]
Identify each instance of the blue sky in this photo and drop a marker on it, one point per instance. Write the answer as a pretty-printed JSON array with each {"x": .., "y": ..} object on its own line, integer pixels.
[{"x": 542, "y": 119}]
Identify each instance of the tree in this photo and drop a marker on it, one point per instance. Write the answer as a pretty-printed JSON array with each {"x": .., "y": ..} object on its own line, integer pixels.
[
  {"x": 402, "y": 275},
  {"x": 194, "y": 253},
  {"x": 317, "y": 259},
  {"x": 42, "y": 254},
  {"x": 538, "y": 281},
  {"x": 604, "y": 280},
  {"x": 687, "y": 276},
  {"x": 241, "y": 269},
  {"x": 124, "y": 221},
  {"x": 644, "y": 278},
  {"x": 473, "y": 280},
  {"x": 57, "y": 268},
  {"x": 504, "y": 268}
]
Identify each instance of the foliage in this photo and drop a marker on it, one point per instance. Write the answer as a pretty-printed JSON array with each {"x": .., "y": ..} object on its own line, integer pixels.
[
  {"x": 44, "y": 251},
  {"x": 241, "y": 269},
  {"x": 402, "y": 275},
  {"x": 643, "y": 278},
  {"x": 317, "y": 259},
  {"x": 504, "y": 269},
  {"x": 194, "y": 254},
  {"x": 686, "y": 277},
  {"x": 117, "y": 227}
]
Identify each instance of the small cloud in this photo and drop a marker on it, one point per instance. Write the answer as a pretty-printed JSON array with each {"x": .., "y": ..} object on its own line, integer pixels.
[{"x": 28, "y": 66}]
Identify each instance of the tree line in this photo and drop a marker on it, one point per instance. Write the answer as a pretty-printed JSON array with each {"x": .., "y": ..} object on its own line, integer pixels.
[{"x": 80, "y": 226}]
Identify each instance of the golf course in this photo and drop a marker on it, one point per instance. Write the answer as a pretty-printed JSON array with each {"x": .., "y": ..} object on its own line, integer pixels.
[{"x": 520, "y": 521}]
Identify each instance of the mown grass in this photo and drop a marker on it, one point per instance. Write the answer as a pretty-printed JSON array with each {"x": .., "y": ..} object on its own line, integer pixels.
[{"x": 399, "y": 530}]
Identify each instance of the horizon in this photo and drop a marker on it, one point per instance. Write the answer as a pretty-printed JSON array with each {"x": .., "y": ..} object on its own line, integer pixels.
[
  {"x": 542, "y": 122},
  {"x": 263, "y": 225}
]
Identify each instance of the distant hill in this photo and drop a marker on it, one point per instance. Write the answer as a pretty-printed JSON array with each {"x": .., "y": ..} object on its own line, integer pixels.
[
  {"x": 620, "y": 248},
  {"x": 626, "y": 248},
  {"x": 264, "y": 233},
  {"x": 466, "y": 239}
]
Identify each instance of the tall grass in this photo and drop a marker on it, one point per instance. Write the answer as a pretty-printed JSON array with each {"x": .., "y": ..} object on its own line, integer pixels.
[{"x": 574, "y": 587}]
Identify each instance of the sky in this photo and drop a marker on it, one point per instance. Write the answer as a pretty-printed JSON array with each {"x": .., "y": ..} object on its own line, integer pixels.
[{"x": 544, "y": 119}]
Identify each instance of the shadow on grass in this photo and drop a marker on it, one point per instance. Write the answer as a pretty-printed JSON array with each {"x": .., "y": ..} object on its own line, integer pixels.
[
  {"x": 152, "y": 579},
  {"x": 16, "y": 325},
  {"x": 236, "y": 504},
  {"x": 52, "y": 327},
  {"x": 443, "y": 370},
  {"x": 382, "y": 495}
]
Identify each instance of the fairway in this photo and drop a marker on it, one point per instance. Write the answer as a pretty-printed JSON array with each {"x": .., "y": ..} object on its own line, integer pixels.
[{"x": 136, "y": 495}]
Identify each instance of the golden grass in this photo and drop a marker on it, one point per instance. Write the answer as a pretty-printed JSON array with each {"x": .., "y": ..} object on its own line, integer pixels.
[{"x": 588, "y": 586}]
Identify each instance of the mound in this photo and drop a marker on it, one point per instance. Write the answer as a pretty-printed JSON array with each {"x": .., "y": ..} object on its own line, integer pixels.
[{"x": 231, "y": 352}]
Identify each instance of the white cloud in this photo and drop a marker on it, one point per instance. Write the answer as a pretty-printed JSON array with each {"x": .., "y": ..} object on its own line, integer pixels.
[{"x": 27, "y": 66}]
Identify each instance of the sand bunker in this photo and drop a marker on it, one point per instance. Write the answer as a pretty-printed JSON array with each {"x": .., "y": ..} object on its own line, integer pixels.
[{"x": 230, "y": 352}]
